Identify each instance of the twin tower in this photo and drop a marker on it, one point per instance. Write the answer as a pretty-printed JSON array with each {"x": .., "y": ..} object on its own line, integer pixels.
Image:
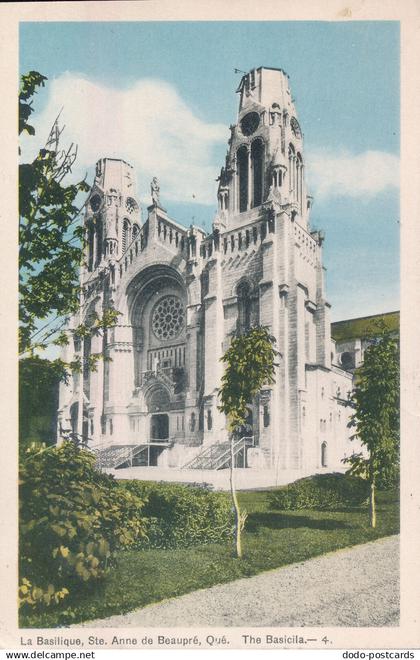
[
  {"x": 182, "y": 294},
  {"x": 264, "y": 166}
]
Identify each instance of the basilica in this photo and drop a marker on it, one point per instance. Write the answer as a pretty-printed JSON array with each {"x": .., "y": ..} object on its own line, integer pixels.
[{"x": 150, "y": 410}]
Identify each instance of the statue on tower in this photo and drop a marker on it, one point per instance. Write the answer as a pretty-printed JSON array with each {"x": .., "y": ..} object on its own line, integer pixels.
[{"x": 155, "y": 191}]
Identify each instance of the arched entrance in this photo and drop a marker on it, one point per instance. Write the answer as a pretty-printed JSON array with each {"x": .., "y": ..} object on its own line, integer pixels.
[
  {"x": 159, "y": 426},
  {"x": 158, "y": 405}
]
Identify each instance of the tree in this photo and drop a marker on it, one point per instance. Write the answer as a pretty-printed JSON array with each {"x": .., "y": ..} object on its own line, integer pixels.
[
  {"x": 50, "y": 248},
  {"x": 377, "y": 417},
  {"x": 50, "y": 241},
  {"x": 250, "y": 364},
  {"x": 38, "y": 401}
]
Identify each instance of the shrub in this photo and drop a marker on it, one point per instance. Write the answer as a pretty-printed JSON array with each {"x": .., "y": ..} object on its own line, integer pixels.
[
  {"x": 72, "y": 520},
  {"x": 321, "y": 491},
  {"x": 181, "y": 516}
]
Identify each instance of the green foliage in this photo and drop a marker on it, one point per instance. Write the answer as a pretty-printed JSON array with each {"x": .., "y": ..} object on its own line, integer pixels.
[
  {"x": 327, "y": 492},
  {"x": 38, "y": 400},
  {"x": 50, "y": 249},
  {"x": 51, "y": 245},
  {"x": 73, "y": 519},
  {"x": 377, "y": 415},
  {"x": 271, "y": 539},
  {"x": 29, "y": 84},
  {"x": 250, "y": 364},
  {"x": 182, "y": 516}
]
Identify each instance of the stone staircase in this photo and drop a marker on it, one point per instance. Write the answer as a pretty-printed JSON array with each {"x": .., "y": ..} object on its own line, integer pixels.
[
  {"x": 217, "y": 456},
  {"x": 116, "y": 455}
]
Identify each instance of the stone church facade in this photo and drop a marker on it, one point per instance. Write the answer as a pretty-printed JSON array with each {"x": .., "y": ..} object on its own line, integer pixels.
[{"x": 181, "y": 294}]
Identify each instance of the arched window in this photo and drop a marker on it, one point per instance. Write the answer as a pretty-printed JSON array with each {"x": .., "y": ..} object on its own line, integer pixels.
[
  {"x": 299, "y": 179},
  {"x": 192, "y": 421},
  {"x": 257, "y": 163},
  {"x": 90, "y": 242},
  {"x": 266, "y": 416},
  {"x": 74, "y": 414},
  {"x": 99, "y": 240},
  {"x": 204, "y": 283},
  {"x": 135, "y": 232},
  {"x": 324, "y": 455},
  {"x": 87, "y": 348},
  {"x": 125, "y": 235},
  {"x": 292, "y": 168},
  {"x": 244, "y": 307},
  {"x": 158, "y": 400},
  {"x": 347, "y": 360},
  {"x": 243, "y": 164}
]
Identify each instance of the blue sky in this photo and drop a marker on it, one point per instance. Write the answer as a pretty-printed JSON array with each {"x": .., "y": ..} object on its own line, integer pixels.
[{"x": 162, "y": 96}]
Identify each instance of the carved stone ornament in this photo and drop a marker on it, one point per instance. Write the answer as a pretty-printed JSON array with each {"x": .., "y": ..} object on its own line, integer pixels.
[{"x": 155, "y": 191}]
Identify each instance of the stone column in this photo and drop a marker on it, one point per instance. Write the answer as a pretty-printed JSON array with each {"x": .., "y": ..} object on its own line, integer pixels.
[
  {"x": 270, "y": 317},
  {"x": 285, "y": 269},
  {"x": 96, "y": 390},
  {"x": 213, "y": 339},
  {"x": 121, "y": 380},
  {"x": 322, "y": 315}
]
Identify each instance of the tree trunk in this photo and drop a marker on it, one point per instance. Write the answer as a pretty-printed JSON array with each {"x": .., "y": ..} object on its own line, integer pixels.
[
  {"x": 235, "y": 503},
  {"x": 372, "y": 504}
]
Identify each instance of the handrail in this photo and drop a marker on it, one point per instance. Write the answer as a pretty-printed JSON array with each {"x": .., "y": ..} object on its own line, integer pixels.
[
  {"x": 212, "y": 456},
  {"x": 237, "y": 446}
]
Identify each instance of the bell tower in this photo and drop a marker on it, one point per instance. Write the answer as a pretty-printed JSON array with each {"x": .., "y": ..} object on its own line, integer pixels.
[
  {"x": 265, "y": 160},
  {"x": 113, "y": 215}
]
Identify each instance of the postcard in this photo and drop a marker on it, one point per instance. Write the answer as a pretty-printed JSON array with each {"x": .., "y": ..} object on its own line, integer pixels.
[{"x": 212, "y": 419}]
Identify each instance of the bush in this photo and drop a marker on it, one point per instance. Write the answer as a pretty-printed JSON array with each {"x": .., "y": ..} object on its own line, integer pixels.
[
  {"x": 321, "y": 491},
  {"x": 181, "y": 516},
  {"x": 73, "y": 518}
]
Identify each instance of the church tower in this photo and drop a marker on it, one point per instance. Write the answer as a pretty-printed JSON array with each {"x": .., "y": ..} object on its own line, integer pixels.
[
  {"x": 265, "y": 157},
  {"x": 113, "y": 216},
  {"x": 271, "y": 265},
  {"x": 181, "y": 295}
]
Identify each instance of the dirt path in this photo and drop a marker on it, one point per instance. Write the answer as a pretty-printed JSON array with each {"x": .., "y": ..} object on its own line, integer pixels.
[{"x": 357, "y": 586}]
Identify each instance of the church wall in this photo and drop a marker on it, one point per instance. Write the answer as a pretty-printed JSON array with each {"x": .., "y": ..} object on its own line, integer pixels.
[
  {"x": 324, "y": 419},
  {"x": 261, "y": 264}
]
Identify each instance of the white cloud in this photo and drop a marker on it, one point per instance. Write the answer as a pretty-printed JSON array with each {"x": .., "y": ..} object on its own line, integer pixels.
[
  {"x": 148, "y": 124},
  {"x": 344, "y": 174},
  {"x": 151, "y": 126}
]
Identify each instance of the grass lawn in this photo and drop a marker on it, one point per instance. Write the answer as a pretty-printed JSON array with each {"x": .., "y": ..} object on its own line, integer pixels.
[{"x": 270, "y": 539}]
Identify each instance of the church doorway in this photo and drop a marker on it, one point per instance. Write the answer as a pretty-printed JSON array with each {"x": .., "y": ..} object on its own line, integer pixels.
[{"x": 159, "y": 427}]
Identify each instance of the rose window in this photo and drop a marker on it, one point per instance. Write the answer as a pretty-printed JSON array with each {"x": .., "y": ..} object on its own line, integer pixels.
[{"x": 168, "y": 318}]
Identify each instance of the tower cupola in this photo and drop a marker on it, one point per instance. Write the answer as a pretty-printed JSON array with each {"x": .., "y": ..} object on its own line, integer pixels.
[
  {"x": 265, "y": 157},
  {"x": 113, "y": 214}
]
